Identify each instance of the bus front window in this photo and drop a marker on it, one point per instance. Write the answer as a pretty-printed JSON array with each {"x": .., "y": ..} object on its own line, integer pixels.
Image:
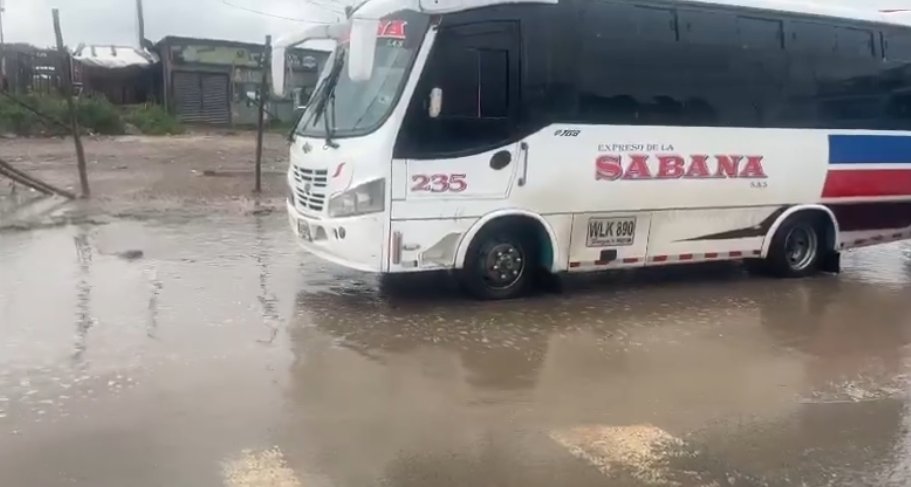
[{"x": 345, "y": 108}]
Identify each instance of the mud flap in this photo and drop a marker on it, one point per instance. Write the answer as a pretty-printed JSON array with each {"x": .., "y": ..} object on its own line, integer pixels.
[
  {"x": 831, "y": 263},
  {"x": 549, "y": 282}
]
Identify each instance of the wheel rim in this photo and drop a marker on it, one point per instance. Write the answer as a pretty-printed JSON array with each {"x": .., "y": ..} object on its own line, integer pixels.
[
  {"x": 504, "y": 266},
  {"x": 801, "y": 246}
]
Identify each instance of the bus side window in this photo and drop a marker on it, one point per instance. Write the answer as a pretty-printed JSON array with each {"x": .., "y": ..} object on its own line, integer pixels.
[
  {"x": 476, "y": 68},
  {"x": 898, "y": 46},
  {"x": 474, "y": 83}
]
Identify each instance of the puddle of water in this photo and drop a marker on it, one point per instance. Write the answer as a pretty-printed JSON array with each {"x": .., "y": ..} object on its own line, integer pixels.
[{"x": 394, "y": 377}]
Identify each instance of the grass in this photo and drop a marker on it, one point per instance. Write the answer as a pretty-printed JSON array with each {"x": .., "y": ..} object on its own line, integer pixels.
[
  {"x": 152, "y": 120},
  {"x": 96, "y": 115}
]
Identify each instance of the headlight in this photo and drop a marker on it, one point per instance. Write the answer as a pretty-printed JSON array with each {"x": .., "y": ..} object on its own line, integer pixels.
[{"x": 366, "y": 198}]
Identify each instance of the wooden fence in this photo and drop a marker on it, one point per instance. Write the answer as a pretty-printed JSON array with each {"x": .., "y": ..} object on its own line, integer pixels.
[{"x": 34, "y": 71}]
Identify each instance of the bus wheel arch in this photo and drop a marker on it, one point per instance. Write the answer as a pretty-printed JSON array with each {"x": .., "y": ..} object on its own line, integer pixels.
[
  {"x": 502, "y": 256},
  {"x": 547, "y": 238},
  {"x": 831, "y": 242},
  {"x": 803, "y": 240}
]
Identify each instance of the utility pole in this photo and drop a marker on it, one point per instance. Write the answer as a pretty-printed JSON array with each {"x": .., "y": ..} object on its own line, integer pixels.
[
  {"x": 2, "y": 48},
  {"x": 142, "y": 23},
  {"x": 263, "y": 93},
  {"x": 67, "y": 90}
]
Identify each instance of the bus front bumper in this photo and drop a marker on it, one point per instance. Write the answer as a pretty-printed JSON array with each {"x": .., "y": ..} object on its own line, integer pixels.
[{"x": 354, "y": 242}]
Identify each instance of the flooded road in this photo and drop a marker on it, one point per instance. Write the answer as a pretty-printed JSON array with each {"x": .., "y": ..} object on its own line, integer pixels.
[{"x": 211, "y": 352}]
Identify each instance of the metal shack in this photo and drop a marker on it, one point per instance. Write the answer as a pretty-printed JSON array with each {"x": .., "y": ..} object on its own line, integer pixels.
[
  {"x": 217, "y": 82},
  {"x": 124, "y": 75}
]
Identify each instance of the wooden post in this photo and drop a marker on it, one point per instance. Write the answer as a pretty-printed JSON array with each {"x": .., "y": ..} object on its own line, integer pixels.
[
  {"x": 263, "y": 93},
  {"x": 3, "y": 82},
  {"x": 67, "y": 91},
  {"x": 140, "y": 18}
]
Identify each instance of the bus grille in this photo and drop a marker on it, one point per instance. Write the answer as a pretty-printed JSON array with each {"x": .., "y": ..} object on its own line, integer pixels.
[{"x": 310, "y": 188}]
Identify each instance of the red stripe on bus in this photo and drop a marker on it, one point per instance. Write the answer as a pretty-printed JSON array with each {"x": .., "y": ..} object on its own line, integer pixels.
[
  {"x": 757, "y": 252},
  {"x": 602, "y": 262},
  {"x": 686, "y": 257},
  {"x": 575, "y": 264},
  {"x": 711, "y": 255},
  {"x": 736, "y": 254},
  {"x": 630, "y": 261},
  {"x": 867, "y": 182},
  {"x": 659, "y": 258}
]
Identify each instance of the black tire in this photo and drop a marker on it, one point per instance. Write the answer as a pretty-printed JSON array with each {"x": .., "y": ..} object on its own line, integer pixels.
[
  {"x": 797, "y": 248},
  {"x": 500, "y": 265}
]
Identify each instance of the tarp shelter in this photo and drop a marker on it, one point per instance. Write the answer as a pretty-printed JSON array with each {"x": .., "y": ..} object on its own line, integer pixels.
[{"x": 124, "y": 75}]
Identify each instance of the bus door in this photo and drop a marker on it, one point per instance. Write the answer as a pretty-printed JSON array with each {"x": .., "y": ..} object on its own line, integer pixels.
[{"x": 466, "y": 150}]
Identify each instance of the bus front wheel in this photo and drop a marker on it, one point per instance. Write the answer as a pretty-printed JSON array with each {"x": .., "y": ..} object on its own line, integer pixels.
[{"x": 499, "y": 265}]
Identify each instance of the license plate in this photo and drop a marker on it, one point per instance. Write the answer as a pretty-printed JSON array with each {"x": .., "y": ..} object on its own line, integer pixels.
[
  {"x": 303, "y": 229},
  {"x": 611, "y": 232}
]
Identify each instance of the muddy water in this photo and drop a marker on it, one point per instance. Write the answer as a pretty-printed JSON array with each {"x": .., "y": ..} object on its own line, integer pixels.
[{"x": 223, "y": 356}]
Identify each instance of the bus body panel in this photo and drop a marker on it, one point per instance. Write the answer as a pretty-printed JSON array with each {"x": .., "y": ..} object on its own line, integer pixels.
[
  {"x": 354, "y": 161},
  {"x": 630, "y": 192}
]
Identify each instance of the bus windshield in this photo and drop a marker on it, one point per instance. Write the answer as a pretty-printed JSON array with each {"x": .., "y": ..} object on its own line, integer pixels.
[{"x": 341, "y": 107}]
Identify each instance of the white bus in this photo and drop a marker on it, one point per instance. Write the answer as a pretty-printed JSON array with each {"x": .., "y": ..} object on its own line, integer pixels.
[{"x": 499, "y": 139}]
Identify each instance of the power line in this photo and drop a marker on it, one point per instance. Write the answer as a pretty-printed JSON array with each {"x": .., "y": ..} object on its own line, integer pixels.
[
  {"x": 328, "y": 5},
  {"x": 274, "y": 16}
]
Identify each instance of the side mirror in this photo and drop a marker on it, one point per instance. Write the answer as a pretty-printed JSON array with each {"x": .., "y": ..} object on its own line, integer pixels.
[
  {"x": 362, "y": 49},
  {"x": 436, "y": 103},
  {"x": 278, "y": 71}
]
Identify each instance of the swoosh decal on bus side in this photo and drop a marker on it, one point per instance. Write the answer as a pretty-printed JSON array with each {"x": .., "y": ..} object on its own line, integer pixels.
[{"x": 754, "y": 231}]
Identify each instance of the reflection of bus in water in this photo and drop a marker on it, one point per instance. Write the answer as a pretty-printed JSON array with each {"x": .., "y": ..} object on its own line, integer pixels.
[
  {"x": 408, "y": 380},
  {"x": 809, "y": 328},
  {"x": 500, "y": 139}
]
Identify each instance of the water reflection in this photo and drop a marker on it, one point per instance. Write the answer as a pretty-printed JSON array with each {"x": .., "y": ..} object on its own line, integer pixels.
[
  {"x": 155, "y": 287},
  {"x": 743, "y": 364},
  {"x": 267, "y": 300},
  {"x": 84, "y": 319}
]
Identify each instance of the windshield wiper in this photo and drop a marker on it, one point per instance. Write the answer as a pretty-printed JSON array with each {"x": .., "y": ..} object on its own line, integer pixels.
[
  {"x": 330, "y": 124},
  {"x": 328, "y": 96}
]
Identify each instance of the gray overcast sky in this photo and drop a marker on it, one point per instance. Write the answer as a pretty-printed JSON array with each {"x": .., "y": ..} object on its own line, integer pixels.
[{"x": 114, "y": 21}]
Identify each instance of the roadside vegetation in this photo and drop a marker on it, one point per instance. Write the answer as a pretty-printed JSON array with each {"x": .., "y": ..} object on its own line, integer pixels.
[
  {"x": 152, "y": 120},
  {"x": 96, "y": 116}
]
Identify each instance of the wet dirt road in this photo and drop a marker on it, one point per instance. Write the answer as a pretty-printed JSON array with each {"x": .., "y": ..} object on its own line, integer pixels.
[{"x": 223, "y": 356}]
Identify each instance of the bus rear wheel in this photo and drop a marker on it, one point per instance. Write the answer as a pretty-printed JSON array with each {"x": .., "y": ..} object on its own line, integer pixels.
[
  {"x": 499, "y": 265},
  {"x": 797, "y": 248}
]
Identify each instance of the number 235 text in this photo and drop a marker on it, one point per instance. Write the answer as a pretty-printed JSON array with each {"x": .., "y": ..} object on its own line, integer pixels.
[{"x": 439, "y": 183}]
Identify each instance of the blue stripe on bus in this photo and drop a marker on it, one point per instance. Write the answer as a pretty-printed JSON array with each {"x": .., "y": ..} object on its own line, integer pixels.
[{"x": 869, "y": 149}]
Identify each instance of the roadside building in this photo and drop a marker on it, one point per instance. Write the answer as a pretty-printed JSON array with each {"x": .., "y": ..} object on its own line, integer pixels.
[
  {"x": 30, "y": 69},
  {"x": 217, "y": 82}
]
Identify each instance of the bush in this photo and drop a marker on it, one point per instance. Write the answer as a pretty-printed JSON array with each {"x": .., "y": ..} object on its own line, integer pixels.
[
  {"x": 153, "y": 120},
  {"x": 19, "y": 120},
  {"x": 99, "y": 116},
  {"x": 96, "y": 115}
]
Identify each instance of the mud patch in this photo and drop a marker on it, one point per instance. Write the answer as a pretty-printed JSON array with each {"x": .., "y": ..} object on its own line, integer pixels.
[
  {"x": 647, "y": 455},
  {"x": 260, "y": 469},
  {"x": 860, "y": 389},
  {"x": 640, "y": 450}
]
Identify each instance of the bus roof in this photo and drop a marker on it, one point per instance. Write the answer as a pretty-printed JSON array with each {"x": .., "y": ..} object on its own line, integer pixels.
[{"x": 822, "y": 9}]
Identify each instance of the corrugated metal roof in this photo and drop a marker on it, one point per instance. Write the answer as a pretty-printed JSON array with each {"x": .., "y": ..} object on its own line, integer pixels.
[{"x": 113, "y": 57}]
